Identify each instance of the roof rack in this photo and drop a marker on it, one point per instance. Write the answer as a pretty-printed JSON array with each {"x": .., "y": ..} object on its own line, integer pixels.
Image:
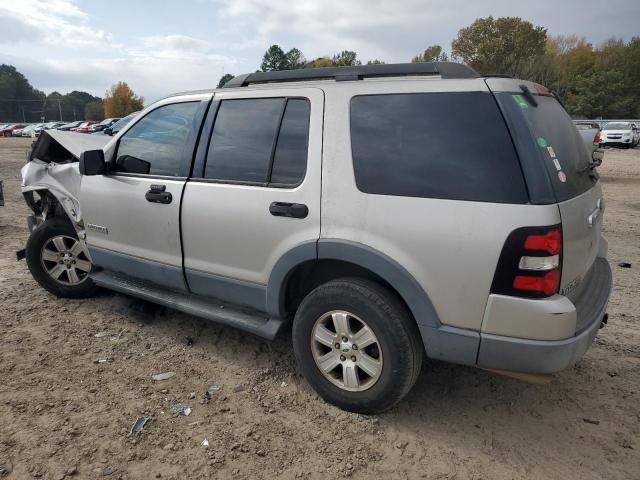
[{"x": 340, "y": 74}]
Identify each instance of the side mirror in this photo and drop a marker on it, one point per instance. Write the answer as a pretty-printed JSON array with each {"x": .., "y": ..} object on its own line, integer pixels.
[
  {"x": 129, "y": 164},
  {"x": 108, "y": 131},
  {"x": 92, "y": 163}
]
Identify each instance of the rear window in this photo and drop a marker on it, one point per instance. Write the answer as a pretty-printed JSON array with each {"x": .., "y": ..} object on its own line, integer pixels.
[
  {"x": 435, "y": 145},
  {"x": 556, "y": 142}
]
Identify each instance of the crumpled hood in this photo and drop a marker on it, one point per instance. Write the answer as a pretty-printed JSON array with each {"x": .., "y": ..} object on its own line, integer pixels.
[{"x": 75, "y": 143}]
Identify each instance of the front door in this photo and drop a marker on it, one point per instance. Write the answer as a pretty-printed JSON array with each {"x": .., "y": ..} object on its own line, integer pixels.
[
  {"x": 256, "y": 195},
  {"x": 132, "y": 216}
]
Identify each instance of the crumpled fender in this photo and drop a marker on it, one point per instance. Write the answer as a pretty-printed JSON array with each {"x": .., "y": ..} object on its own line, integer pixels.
[
  {"x": 62, "y": 180},
  {"x": 53, "y": 166}
]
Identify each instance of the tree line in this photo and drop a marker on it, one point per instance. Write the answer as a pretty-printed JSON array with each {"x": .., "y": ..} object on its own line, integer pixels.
[
  {"x": 21, "y": 102},
  {"x": 592, "y": 81}
]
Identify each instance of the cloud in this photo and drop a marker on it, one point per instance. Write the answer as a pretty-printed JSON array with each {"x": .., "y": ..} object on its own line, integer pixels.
[{"x": 52, "y": 22}]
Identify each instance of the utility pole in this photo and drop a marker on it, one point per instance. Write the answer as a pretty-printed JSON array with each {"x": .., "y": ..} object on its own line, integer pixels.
[
  {"x": 60, "y": 109},
  {"x": 24, "y": 120}
]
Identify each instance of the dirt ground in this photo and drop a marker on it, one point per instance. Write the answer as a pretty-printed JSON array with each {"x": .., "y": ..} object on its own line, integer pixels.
[{"x": 64, "y": 415}]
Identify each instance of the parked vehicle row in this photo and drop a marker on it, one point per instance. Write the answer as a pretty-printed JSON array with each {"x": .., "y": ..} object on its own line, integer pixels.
[
  {"x": 620, "y": 133},
  {"x": 79, "y": 126}
]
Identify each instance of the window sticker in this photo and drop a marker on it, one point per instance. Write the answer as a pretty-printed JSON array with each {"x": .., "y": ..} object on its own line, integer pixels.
[
  {"x": 542, "y": 142},
  {"x": 551, "y": 152},
  {"x": 562, "y": 177},
  {"x": 557, "y": 164},
  {"x": 519, "y": 99}
]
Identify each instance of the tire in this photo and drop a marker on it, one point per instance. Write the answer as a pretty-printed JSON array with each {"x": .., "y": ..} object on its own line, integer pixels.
[
  {"x": 397, "y": 352},
  {"x": 53, "y": 249}
]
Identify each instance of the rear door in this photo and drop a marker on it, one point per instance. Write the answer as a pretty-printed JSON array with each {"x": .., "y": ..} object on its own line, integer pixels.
[
  {"x": 255, "y": 191},
  {"x": 548, "y": 142},
  {"x": 132, "y": 215}
]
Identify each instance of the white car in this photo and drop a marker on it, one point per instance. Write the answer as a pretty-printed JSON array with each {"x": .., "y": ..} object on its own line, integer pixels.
[{"x": 620, "y": 133}]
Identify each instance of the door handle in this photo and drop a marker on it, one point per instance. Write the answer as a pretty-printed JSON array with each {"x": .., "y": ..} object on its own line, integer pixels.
[
  {"x": 157, "y": 194},
  {"x": 291, "y": 210}
]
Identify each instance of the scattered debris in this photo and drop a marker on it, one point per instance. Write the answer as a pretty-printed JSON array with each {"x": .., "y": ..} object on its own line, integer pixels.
[
  {"x": 103, "y": 360},
  {"x": 241, "y": 387},
  {"x": 205, "y": 443},
  {"x": 102, "y": 334},
  {"x": 624, "y": 265},
  {"x": 211, "y": 391},
  {"x": 188, "y": 341},
  {"x": 163, "y": 376},
  {"x": 139, "y": 424},
  {"x": 180, "y": 409},
  {"x": 283, "y": 384},
  {"x": 107, "y": 471},
  {"x": 592, "y": 422},
  {"x": 192, "y": 395}
]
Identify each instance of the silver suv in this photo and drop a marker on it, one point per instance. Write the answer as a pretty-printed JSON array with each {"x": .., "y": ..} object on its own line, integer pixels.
[{"x": 382, "y": 213}]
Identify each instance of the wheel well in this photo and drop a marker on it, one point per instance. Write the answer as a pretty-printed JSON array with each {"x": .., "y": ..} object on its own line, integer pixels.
[{"x": 311, "y": 274}]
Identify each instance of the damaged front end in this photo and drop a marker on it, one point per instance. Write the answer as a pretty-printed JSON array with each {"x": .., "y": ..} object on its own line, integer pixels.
[{"x": 51, "y": 178}]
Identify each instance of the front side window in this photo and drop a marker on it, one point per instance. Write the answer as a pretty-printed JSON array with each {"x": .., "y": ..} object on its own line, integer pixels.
[
  {"x": 162, "y": 141},
  {"x": 434, "y": 145},
  {"x": 262, "y": 140}
]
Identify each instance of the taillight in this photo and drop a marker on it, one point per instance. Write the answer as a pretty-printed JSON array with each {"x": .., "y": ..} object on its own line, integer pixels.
[
  {"x": 597, "y": 139},
  {"x": 530, "y": 263}
]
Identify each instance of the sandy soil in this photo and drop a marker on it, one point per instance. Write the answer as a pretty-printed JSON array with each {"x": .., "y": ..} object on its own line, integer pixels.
[{"x": 62, "y": 414}]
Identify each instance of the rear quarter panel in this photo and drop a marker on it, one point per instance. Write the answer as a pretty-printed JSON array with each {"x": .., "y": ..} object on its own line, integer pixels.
[{"x": 450, "y": 247}]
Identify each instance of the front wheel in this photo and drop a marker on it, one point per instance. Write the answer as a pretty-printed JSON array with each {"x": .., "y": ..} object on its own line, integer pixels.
[
  {"x": 357, "y": 345},
  {"x": 57, "y": 260}
]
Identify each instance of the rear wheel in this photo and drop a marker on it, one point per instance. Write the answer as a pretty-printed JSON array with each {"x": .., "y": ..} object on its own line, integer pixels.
[
  {"x": 58, "y": 261},
  {"x": 357, "y": 345}
]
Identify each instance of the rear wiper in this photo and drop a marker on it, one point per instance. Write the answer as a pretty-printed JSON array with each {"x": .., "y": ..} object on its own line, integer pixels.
[{"x": 528, "y": 95}]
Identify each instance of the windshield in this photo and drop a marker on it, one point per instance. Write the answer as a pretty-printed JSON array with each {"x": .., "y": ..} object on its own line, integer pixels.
[
  {"x": 123, "y": 123},
  {"x": 553, "y": 140},
  {"x": 617, "y": 126}
]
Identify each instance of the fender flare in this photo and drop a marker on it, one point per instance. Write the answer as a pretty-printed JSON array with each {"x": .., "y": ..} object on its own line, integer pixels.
[{"x": 379, "y": 263}]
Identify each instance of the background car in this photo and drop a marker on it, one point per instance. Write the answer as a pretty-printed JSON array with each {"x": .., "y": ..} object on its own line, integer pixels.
[
  {"x": 69, "y": 126},
  {"x": 590, "y": 133},
  {"x": 29, "y": 129},
  {"x": 106, "y": 123},
  {"x": 620, "y": 133},
  {"x": 83, "y": 127},
  {"x": 8, "y": 129}
]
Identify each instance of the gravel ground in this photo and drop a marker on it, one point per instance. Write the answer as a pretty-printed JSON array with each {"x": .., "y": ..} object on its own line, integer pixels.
[{"x": 64, "y": 415}]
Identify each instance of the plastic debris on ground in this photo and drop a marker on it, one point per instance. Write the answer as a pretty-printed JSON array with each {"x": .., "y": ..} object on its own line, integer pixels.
[
  {"x": 163, "y": 376},
  {"x": 180, "y": 409},
  {"x": 205, "y": 443},
  {"x": 139, "y": 424}
]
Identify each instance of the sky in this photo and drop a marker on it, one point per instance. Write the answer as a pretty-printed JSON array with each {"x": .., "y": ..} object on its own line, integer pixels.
[{"x": 164, "y": 46}]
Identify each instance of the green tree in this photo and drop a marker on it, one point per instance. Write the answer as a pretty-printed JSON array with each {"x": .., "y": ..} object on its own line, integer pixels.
[
  {"x": 274, "y": 59},
  {"x": 503, "y": 45},
  {"x": 224, "y": 79},
  {"x": 598, "y": 95},
  {"x": 94, "y": 111},
  {"x": 346, "y": 58},
  {"x": 120, "y": 101},
  {"x": 18, "y": 99},
  {"x": 434, "y": 53},
  {"x": 295, "y": 59},
  {"x": 375, "y": 62}
]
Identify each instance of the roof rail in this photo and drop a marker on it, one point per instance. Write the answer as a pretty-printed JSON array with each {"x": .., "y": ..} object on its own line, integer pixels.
[{"x": 444, "y": 69}]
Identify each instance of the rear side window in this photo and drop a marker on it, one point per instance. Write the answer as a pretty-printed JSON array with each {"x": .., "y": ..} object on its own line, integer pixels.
[
  {"x": 260, "y": 140},
  {"x": 434, "y": 145},
  {"x": 552, "y": 140}
]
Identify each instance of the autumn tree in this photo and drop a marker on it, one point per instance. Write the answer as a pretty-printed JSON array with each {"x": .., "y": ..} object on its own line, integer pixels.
[
  {"x": 94, "y": 110},
  {"x": 120, "y": 101},
  {"x": 224, "y": 79},
  {"x": 320, "y": 62},
  {"x": 502, "y": 45},
  {"x": 434, "y": 53}
]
